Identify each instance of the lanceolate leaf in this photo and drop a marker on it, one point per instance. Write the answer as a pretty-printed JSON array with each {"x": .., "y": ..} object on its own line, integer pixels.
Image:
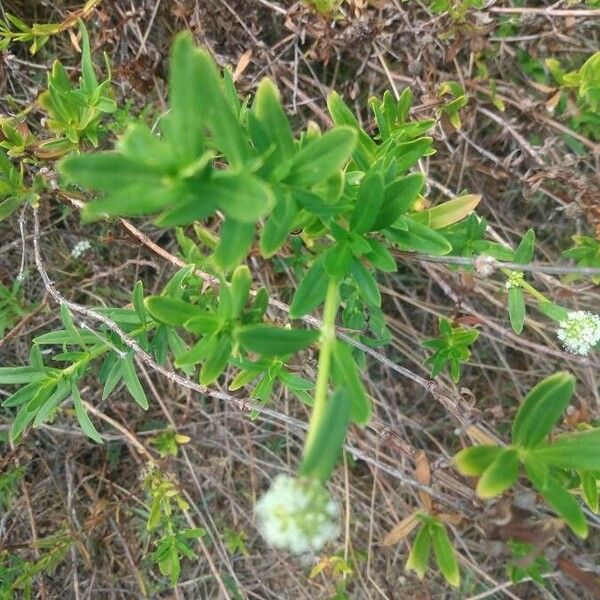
[
  {"x": 273, "y": 341},
  {"x": 541, "y": 409},
  {"x": 516, "y": 308},
  {"x": 447, "y": 213},
  {"x": 345, "y": 373},
  {"x": 579, "y": 450},
  {"x": 558, "y": 497},
  {"x": 217, "y": 360},
  {"x": 418, "y": 558},
  {"x": 171, "y": 311},
  {"x": 185, "y": 121},
  {"x": 83, "y": 418},
  {"x": 368, "y": 203},
  {"x": 398, "y": 199},
  {"x": 311, "y": 290},
  {"x": 366, "y": 283},
  {"x": 132, "y": 382},
  {"x": 323, "y": 450},
  {"x": 236, "y": 239},
  {"x": 322, "y": 157},
  {"x": 444, "y": 554}
]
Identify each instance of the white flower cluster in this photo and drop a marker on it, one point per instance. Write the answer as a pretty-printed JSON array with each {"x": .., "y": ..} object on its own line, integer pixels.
[
  {"x": 515, "y": 279},
  {"x": 579, "y": 332},
  {"x": 298, "y": 515},
  {"x": 80, "y": 248}
]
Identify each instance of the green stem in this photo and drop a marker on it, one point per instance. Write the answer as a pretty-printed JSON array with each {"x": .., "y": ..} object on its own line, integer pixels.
[{"x": 324, "y": 367}]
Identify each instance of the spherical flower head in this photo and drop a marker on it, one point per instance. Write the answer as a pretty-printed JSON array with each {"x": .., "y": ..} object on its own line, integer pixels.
[
  {"x": 297, "y": 514},
  {"x": 579, "y": 332}
]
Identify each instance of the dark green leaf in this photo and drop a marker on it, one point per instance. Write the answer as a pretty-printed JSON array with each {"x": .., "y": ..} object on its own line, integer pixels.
[
  {"x": 172, "y": 311},
  {"x": 217, "y": 361},
  {"x": 132, "y": 383},
  {"x": 366, "y": 283},
  {"x": 275, "y": 341},
  {"x": 368, "y": 203}
]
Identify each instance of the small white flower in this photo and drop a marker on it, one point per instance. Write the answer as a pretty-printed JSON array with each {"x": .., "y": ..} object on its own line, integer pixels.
[
  {"x": 298, "y": 515},
  {"x": 579, "y": 332},
  {"x": 80, "y": 248}
]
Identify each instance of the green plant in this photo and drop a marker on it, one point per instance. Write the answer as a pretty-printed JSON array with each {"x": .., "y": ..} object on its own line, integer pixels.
[
  {"x": 586, "y": 253},
  {"x": 217, "y": 171},
  {"x": 545, "y": 461},
  {"x": 38, "y": 33},
  {"x": 75, "y": 113},
  {"x": 173, "y": 541},
  {"x": 450, "y": 348}
]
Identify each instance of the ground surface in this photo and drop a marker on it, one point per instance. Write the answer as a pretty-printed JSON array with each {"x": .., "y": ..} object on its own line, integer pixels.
[{"x": 519, "y": 159}]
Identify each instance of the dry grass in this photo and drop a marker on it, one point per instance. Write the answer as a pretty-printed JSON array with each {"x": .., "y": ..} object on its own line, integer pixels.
[{"x": 95, "y": 494}]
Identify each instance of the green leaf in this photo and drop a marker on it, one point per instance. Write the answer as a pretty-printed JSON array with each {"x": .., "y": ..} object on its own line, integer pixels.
[
  {"x": 23, "y": 395},
  {"x": 399, "y": 197},
  {"x": 275, "y": 341},
  {"x": 17, "y": 375},
  {"x": 185, "y": 121},
  {"x": 337, "y": 259},
  {"x": 579, "y": 450},
  {"x": 109, "y": 172},
  {"x": 541, "y": 409},
  {"x": 500, "y": 474},
  {"x": 447, "y": 213},
  {"x": 89, "y": 81},
  {"x": 418, "y": 557},
  {"x": 322, "y": 157},
  {"x": 524, "y": 252},
  {"x": 380, "y": 257},
  {"x": 83, "y": 418},
  {"x": 138, "y": 301},
  {"x": 473, "y": 461},
  {"x": 241, "y": 196},
  {"x": 203, "y": 324},
  {"x": 172, "y": 311},
  {"x": 275, "y": 124},
  {"x": 340, "y": 113},
  {"x": 240, "y": 288},
  {"x": 589, "y": 488},
  {"x": 132, "y": 383},
  {"x": 444, "y": 554},
  {"x": 278, "y": 225},
  {"x": 311, "y": 290},
  {"x": 323, "y": 448},
  {"x": 516, "y": 309},
  {"x": 366, "y": 283},
  {"x": 236, "y": 239},
  {"x": 345, "y": 374},
  {"x": 112, "y": 378},
  {"x": 558, "y": 498},
  {"x": 418, "y": 238},
  {"x": 368, "y": 202},
  {"x": 218, "y": 113},
  {"x": 217, "y": 361}
]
